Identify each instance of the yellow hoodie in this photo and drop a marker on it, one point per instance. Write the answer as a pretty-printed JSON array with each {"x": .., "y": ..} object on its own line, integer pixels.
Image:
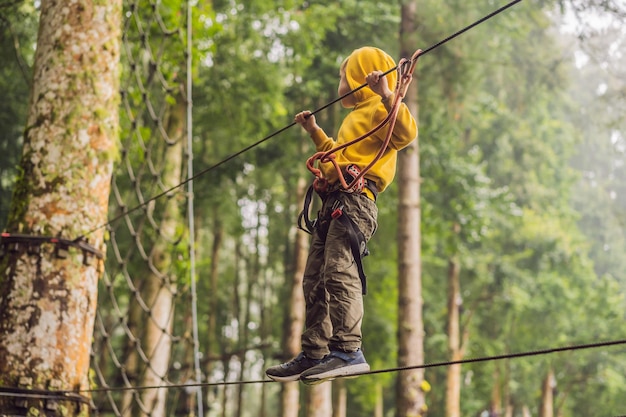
[{"x": 367, "y": 114}]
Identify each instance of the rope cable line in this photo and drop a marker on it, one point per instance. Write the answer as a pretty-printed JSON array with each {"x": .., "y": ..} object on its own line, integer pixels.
[
  {"x": 516, "y": 355},
  {"x": 281, "y": 130}
]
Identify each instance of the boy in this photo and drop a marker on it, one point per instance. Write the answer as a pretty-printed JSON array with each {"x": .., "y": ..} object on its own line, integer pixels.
[{"x": 333, "y": 290}]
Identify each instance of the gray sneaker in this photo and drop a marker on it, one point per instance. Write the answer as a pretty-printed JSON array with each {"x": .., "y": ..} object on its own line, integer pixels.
[
  {"x": 337, "y": 364},
  {"x": 291, "y": 371}
]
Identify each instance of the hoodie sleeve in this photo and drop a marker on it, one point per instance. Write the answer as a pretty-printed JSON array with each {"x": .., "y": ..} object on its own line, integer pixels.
[
  {"x": 404, "y": 131},
  {"x": 322, "y": 141}
]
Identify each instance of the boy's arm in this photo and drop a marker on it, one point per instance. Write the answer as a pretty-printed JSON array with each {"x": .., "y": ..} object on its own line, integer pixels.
[
  {"x": 405, "y": 130},
  {"x": 306, "y": 119},
  {"x": 377, "y": 82}
]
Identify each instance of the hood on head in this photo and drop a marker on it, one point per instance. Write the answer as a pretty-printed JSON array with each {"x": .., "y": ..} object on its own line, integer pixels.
[{"x": 361, "y": 62}]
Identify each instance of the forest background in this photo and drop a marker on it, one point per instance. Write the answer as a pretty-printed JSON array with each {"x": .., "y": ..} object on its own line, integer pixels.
[{"x": 523, "y": 198}]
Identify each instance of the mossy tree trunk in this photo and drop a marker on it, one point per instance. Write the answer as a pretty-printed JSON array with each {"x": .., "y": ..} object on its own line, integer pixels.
[{"x": 48, "y": 293}]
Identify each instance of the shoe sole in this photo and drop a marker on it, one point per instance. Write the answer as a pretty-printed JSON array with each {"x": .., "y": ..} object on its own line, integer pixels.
[
  {"x": 344, "y": 371},
  {"x": 290, "y": 378}
]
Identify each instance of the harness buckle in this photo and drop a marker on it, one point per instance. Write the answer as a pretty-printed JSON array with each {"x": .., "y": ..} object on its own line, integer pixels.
[
  {"x": 337, "y": 209},
  {"x": 352, "y": 171}
]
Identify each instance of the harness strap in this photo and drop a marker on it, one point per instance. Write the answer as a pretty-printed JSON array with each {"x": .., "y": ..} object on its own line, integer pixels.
[
  {"x": 309, "y": 225},
  {"x": 371, "y": 185},
  {"x": 304, "y": 221}
]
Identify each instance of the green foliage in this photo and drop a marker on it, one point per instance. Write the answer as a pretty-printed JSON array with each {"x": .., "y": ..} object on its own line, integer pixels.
[
  {"x": 522, "y": 162},
  {"x": 18, "y": 32},
  {"x": 495, "y": 158},
  {"x": 495, "y": 142}
]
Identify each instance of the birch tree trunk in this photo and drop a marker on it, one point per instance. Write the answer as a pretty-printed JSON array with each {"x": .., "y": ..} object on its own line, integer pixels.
[
  {"x": 409, "y": 396},
  {"x": 160, "y": 283},
  {"x": 48, "y": 291},
  {"x": 156, "y": 288}
]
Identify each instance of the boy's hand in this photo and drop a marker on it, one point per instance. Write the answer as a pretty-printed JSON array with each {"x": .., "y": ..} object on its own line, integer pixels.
[
  {"x": 378, "y": 84},
  {"x": 307, "y": 120}
]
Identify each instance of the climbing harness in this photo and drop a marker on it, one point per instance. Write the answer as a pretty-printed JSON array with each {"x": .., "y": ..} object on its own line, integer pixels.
[
  {"x": 333, "y": 198},
  {"x": 351, "y": 179},
  {"x": 335, "y": 210}
]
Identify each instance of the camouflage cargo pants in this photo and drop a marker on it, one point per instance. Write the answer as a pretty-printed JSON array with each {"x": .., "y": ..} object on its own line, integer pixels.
[{"x": 331, "y": 283}]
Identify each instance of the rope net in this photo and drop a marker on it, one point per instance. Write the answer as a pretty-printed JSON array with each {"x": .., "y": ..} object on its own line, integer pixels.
[{"x": 144, "y": 327}]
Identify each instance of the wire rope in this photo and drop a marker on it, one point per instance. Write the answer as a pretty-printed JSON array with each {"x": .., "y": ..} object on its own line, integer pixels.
[
  {"x": 517, "y": 355},
  {"x": 281, "y": 130}
]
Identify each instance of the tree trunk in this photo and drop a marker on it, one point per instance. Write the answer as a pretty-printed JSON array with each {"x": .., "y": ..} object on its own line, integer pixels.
[
  {"x": 496, "y": 394},
  {"x": 455, "y": 349},
  {"x": 319, "y": 400},
  {"x": 216, "y": 249},
  {"x": 237, "y": 316},
  {"x": 379, "y": 409},
  {"x": 153, "y": 328},
  {"x": 506, "y": 384},
  {"x": 225, "y": 388},
  {"x": 340, "y": 398},
  {"x": 160, "y": 285},
  {"x": 253, "y": 262},
  {"x": 48, "y": 290},
  {"x": 290, "y": 395},
  {"x": 266, "y": 329},
  {"x": 547, "y": 395},
  {"x": 409, "y": 395},
  {"x": 131, "y": 361}
]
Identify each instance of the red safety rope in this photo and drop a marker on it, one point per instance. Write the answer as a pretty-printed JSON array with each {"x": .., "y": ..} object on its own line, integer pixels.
[{"x": 405, "y": 71}]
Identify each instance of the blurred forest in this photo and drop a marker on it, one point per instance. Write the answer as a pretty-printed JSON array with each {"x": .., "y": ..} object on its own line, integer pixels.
[{"x": 523, "y": 196}]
